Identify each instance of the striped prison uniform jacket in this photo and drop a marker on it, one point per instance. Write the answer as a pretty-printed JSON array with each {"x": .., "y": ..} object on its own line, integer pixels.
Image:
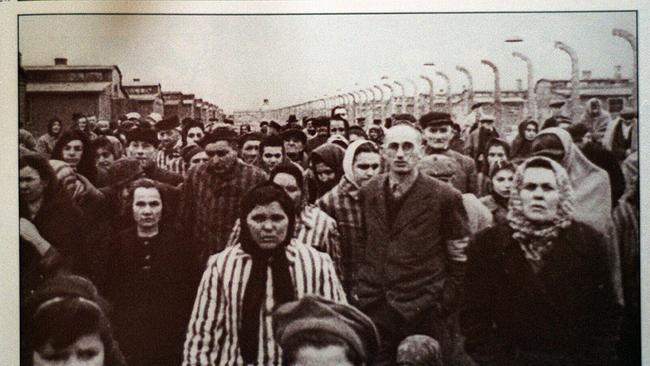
[
  {"x": 172, "y": 162},
  {"x": 210, "y": 205},
  {"x": 314, "y": 228},
  {"x": 212, "y": 334},
  {"x": 343, "y": 205}
]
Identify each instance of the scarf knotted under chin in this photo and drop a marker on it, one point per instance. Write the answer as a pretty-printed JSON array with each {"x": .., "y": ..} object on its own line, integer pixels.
[
  {"x": 255, "y": 291},
  {"x": 537, "y": 239}
]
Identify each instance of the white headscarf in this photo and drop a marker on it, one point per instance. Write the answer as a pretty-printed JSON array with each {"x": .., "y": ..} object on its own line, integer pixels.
[{"x": 348, "y": 159}]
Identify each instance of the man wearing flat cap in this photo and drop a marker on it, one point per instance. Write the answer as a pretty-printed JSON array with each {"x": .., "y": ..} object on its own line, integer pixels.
[
  {"x": 212, "y": 192},
  {"x": 318, "y": 331},
  {"x": 322, "y": 126},
  {"x": 477, "y": 139},
  {"x": 168, "y": 155},
  {"x": 141, "y": 145},
  {"x": 438, "y": 132},
  {"x": 294, "y": 146},
  {"x": 620, "y": 136}
]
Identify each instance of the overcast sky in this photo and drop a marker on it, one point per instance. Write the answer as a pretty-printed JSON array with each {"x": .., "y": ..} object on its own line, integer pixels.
[{"x": 236, "y": 61}]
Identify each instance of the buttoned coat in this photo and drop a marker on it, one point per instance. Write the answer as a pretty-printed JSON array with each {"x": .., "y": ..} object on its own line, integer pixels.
[{"x": 411, "y": 264}]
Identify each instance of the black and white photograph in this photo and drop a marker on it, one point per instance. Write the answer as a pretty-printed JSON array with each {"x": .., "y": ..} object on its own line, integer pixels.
[{"x": 351, "y": 188}]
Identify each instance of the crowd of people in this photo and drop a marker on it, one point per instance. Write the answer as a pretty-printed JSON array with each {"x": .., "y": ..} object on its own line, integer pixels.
[{"x": 154, "y": 241}]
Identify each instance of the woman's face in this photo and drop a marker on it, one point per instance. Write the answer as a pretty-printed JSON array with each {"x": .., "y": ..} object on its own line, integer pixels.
[
  {"x": 290, "y": 185},
  {"x": 88, "y": 350},
  {"x": 104, "y": 158},
  {"x": 540, "y": 196},
  {"x": 496, "y": 153},
  {"x": 530, "y": 132},
  {"x": 366, "y": 165},
  {"x": 198, "y": 159},
  {"x": 147, "y": 207},
  {"x": 324, "y": 173},
  {"x": 502, "y": 182},
  {"x": 56, "y": 127},
  {"x": 268, "y": 225},
  {"x": 194, "y": 134},
  {"x": 72, "y": 152}
]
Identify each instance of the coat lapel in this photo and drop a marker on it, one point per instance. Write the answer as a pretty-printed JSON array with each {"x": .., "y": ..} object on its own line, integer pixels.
[{"x": 414, "y": 206}]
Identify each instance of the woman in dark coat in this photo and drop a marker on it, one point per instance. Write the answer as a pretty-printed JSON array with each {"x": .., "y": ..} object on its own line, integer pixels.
[
  {"x": 538, "y": 289},
  {"x": 152, "y": 284},
  {"x": 50, "y": 225}
]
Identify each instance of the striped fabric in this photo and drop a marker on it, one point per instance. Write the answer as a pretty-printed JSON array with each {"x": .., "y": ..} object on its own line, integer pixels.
[
  {"x": 212, "y": 334},
  {"x": 342, "y": 204},
  {"x": 314, "y": 228},
  {"x": 172, "y": 162},
  {"x": 210, "y": 205}
]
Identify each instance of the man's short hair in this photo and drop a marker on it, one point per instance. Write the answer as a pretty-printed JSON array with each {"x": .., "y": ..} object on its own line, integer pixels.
[
  {"x": 104, "y": 143},
  {"x": 272, "y": 141}
]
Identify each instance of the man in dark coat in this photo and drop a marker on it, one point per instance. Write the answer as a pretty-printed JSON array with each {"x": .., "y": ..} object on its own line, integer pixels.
[
  {"x": 322, "y": 126},
  {"x": 477, "y": 139},
  {"x": 438, "y": 133},
  {"x": 411, "y": 270}
]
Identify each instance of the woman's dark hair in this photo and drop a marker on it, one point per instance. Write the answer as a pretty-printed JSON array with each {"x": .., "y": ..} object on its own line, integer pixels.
[
  {"x": 51, "y": 123},
  {"x": 64, "y": 309},
  {"x": 86, "y": 165},
  {"x": 501, "y": 165},
  {"x": 186, "y": 129},
  {"x": 319, "y": 340},
  {"x": 45, "y": 171},
  {"x": 291, "y": 169},
  {"x": 494, "y": 142},
  {"x": 166, "y": 215},
  {"x": 264, "y": 194},
  {"x": 366, "y": 147}
]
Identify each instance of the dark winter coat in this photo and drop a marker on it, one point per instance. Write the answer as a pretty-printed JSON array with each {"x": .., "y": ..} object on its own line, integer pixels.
[
  {"x": 151, "y": 287},
  {"x": 567, "y": 314}
]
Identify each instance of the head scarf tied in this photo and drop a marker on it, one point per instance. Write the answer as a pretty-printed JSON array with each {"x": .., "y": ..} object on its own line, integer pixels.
[
  {"x": 591, "y": 187},
  {"x": 536, "y": 239},
  {"x": 348, "y": 159},
  {"x": 255, "y": 292}
]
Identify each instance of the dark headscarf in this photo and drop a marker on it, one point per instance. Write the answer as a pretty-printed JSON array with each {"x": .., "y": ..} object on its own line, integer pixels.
[
  {"x": 332, "y": 156},
  {"x": 255, "y": 293},
  {"x": 521, "y": 148}
]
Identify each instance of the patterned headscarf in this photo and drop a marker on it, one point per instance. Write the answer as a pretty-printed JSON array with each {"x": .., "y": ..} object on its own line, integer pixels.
[{"x": 536, "y": 239}]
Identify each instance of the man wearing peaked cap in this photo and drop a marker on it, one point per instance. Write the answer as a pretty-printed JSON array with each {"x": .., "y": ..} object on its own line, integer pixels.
[
  {"x": 153, "y": 118},
  {"x": 621, "y": 135},
  {"x": 438, "y": 132},
  {"x": 318, "y": 331},
  {"x": 274, "y": 128},
  {"x": 477, "y": 139},
  {"x": 294, "y": 145},
  {"x": 168, "y": 155}
]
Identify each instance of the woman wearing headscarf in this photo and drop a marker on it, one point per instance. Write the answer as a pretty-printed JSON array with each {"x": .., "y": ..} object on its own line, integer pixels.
[
  {"x": 326, "y": 169},
  {"x": 521, "y": 145},
  {"x": 626, "y": 222},
  {"x": 313, "y": 226},
  {"x": 538, "y": 288},
  {"x": 596, "y": 118},
  {"x": 591, "y": 187},
  {"x": 361, "y": 162},
  {"x": 231, "y": 321}
]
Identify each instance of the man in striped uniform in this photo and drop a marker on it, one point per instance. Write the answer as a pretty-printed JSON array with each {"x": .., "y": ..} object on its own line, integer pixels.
[
  {"x": 212, "y": 191},
  {"x": 168, "y": 157},
  {"x": 265, "y": 269},
  {"x": 313, "y": 227},
  {"x": 361, "y": 162}
]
